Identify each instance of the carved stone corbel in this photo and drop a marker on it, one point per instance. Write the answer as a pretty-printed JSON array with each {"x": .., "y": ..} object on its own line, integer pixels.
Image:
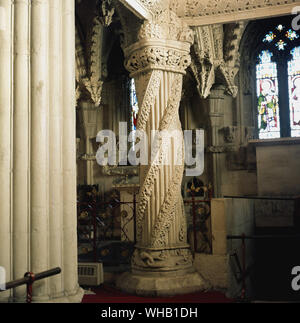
[{"x": 230, "y": 134}]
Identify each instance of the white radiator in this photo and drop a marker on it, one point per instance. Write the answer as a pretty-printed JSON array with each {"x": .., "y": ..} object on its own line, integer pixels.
[{"x": 90, "y": 274}]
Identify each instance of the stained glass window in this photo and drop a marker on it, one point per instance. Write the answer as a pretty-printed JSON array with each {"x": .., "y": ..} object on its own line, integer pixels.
[
  {"x": 278, "y": 82},
  {"x": 134, "y": 105},
  {"x": 294, "y": 91},
  {"x": 267, "y": 93}
]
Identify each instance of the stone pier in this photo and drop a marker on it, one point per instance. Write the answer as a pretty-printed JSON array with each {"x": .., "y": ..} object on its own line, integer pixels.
[
  {"x": 38, "y": 147},
  {"x": 162, "y": 263}
]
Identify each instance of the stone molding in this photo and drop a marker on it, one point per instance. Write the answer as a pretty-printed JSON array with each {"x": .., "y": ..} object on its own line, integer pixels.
[
  {"x": 205, "y": 12},
  {"x": 152, "y": 55}
]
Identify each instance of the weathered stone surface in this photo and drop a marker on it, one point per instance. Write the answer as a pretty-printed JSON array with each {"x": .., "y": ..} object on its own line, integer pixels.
[{"x": 163, "y": 285}]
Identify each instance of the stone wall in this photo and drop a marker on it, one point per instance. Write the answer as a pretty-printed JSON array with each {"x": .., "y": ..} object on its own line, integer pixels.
[
  {"x": 278, "y": 167},
  {"x": 229, "y": 217}
]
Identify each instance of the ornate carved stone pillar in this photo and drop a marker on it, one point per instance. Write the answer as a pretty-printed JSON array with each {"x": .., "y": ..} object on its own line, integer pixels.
[
  {"x": 216, "y": 115},
  {"x": 162, "y": 263}
]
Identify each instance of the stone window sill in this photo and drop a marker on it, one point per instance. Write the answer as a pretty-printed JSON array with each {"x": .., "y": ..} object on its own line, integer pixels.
[{"x": 275, "y": 142}]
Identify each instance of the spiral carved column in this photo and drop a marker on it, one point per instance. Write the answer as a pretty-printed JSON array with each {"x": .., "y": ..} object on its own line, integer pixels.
[{"x": 162, "y": 263}]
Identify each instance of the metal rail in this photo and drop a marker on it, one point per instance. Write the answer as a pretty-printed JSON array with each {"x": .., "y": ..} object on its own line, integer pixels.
[
  {"x": 266, "y": 198},
  {"x": 263, "y": 237},
  {"x": 29, "y": 279},
  {"x": 94, "y": 207},
  {"x": 194, "y": 202}
]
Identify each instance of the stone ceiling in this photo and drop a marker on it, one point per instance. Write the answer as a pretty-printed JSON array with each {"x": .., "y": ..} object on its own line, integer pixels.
[{"x": 205, "y": 12}]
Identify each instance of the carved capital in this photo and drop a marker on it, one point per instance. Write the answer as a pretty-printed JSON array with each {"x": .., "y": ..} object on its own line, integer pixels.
[
  {"x": 163, "y": 44},
  {"x": 157, "y": 55}
]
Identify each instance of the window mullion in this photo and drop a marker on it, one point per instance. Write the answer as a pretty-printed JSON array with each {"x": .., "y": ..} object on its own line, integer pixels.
[{"x": 284, "y": 103}]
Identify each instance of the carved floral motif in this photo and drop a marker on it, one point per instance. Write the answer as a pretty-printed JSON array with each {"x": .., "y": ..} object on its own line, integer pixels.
[
  {"x": 155, "y": 57},
  {"x": 195, "y": 8},
  {"x": 166, "y": 26}
]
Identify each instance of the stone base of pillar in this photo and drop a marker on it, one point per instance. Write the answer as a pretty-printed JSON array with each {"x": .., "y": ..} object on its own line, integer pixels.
[
  {"x": 166, "y": 284},
  {"x": 73, "y": 298}
]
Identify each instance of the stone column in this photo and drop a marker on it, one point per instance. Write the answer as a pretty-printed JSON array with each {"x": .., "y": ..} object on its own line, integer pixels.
[
  {"x": 70, "y": 252},
  {"x": 216, "y": 115},
  {"x": 55, "y": 146},
  {"x": 5, "y": 138},
  {"x": 89, "y": 114},
  {"x": 21, "y": 138},
  {"x": 38, "y": 147},
  {"x": 39, "y": 201},
  {"x": 162, "y": 263}
]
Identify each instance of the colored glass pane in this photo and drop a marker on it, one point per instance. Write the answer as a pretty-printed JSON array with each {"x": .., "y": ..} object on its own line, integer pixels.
[
  {"x": 281, "y": 45},
  {"x": 269, "y": 37},
  {"x": 267, "y": 94},
  {"x": 280, "y": 28},
  {"x": 294, "y": 91},
  {"x": 291, "y": 35},
  {"x": 134, "y": 105}
]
